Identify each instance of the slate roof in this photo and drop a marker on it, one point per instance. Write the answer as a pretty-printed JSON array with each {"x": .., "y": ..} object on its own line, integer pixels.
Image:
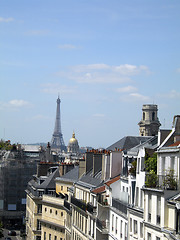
[
  {"x": 89, "y": 180},
  {"x": 151, "y": 143},
  {"x": 128, "y": 142},
  {"x": 70, "y": 176},
  {"x": 48, "y": 183}
]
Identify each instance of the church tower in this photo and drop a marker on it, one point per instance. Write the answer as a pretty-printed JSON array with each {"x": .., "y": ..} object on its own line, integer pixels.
[
  {"x": 149, "y": 125},
  {"x": 57, "y": 142}
]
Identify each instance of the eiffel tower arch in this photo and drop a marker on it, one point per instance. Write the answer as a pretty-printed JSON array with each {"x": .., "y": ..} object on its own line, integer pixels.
[{"x": 57, "y": 142}]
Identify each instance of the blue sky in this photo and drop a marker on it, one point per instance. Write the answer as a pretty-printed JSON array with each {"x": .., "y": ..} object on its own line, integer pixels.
[{"x": 105, "y": 59}]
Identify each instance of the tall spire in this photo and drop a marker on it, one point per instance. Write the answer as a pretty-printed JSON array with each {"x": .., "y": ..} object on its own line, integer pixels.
[{"x": 57, "y": 142}]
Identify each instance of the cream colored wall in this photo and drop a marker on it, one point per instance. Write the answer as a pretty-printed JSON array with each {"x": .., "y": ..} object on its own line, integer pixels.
[
  {"x": 154, "y": 233},
  {"x": 62, "y": 187},
  {"x": 171, "y": 217},
  {"x": 53, "y": 231},
  {"x": 32, "y": 216},
  {"x": 54, "y": 214},
  {"x": 53, "y": 211}
]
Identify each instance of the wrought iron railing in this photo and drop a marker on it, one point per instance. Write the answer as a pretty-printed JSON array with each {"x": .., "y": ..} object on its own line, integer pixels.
[
  {"x": 79, "y": 203},
  {"x": 122, "y": 207},
  {"x": 168, "y": 181}
]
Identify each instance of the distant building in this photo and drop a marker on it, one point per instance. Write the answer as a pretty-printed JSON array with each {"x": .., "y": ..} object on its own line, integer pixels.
[
  {"x": 149, "y": 125},
  {"x": 57, "y": 142},
  {"x": 73, "y": 146},
  {"x": 16, "y": 169}
]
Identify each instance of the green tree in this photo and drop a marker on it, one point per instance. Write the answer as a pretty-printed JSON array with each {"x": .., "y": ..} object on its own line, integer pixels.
[
  {"x": 170, "y": 181},
  {"x": 151, "y": 162},
  {"x": 151, "y": 179},
  {"x": 132, "y": 170}
]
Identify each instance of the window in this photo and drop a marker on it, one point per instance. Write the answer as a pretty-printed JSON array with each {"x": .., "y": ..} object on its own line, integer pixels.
[
  {"x": 130, "y": 224},
  {"x": 49, "y": 236},
  {"x": 61, "y": 214},
  {"x": 44, "y": 235},
  {"x": 112, "y": 222},
  {"x": 126, "y": 234},
  {"x": 50, "y": 210},
  {"x": 55, "y": 237},
  {"x": 153, "y": 116},
  {"x": 45, "y": 209},
  {"x": 172, "y": 159},
  {"x": 149, "y": 208},
  {"x": 135, "y": 227},
  {"x": 41, "y": 193},
  {"x": 39, "y": 208},
  {"x": 121, "y": 228},
  {"x": 143, "y": 115},
  {"x": 141, "y": 198},
  {"x": 56, "y": 212},
  {"x": 141, "y": 230},
  {"x": 157, "y": 238},
  {"x": 61, "y": 188},
  {"x": 38, "y": 225},
  {"x": 158, "y": 210},
  {"x": 137, "y": 196},
  {"x": 116, "y": 225},
  {"x": 148, "y": 236}
]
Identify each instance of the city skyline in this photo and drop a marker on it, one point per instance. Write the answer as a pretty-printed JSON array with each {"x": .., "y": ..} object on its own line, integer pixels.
[{"x": 105, "y": 59}]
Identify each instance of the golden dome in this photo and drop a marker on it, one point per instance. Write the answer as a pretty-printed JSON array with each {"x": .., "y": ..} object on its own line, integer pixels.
[{"x": 73, "y": 139}]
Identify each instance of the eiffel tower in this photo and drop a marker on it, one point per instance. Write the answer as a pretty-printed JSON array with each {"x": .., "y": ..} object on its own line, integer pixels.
[{"x": 57, "y": 142}]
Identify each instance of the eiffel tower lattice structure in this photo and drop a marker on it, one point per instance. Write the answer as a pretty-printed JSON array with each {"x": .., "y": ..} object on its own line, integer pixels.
[{"x": 57, "y": 142}]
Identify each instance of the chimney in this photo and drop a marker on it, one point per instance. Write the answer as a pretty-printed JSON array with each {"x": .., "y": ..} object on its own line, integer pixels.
[
  {"x": 97, "y": 162},
  {"x": 82, "y": 167},
  {"x": 105, "y": 166},
  {"x": 42, "y": 168},
  {"x": 115, "y": 163},
  {"x": 89, "y": 161}
]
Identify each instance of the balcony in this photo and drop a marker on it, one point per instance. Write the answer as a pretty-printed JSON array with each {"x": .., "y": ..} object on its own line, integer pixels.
[
  {"x": 67, "y": 205},
  {"x": 102, "y": 200},
  {"x": 122, "y": 207},
  {"x": 79, "y": 203},
  {"x": 163, "y": 182},
  {"x": 53, "y": 200},
  {"x": 103, "y": 226},
  {"x": 91, "y": 209}
]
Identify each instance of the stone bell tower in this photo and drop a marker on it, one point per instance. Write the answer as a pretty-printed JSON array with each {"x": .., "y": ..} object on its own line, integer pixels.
[{"x": 149, "y": 125}]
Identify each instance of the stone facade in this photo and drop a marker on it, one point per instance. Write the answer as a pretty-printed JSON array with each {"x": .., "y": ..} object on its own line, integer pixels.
[{"x": 149, "y": 125}]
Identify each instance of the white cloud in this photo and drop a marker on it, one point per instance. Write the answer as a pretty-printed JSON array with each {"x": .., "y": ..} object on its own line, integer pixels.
[
  {"x": 127, "y": 89},
  {"x": 99, "y": 115},
  {"x": 14, "y": 104},
  {"x": 18, "y": 103},
  {"x": 6, "y": 19},
  {"x": 138, "y": 96},
  {"x": 173, "y": 94},
  {"x": 55, "y": 88},
  {"x": 67, "y": 46},
  {"x": 132, "y": 97},
  {"x": 102, "y": 73}
]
